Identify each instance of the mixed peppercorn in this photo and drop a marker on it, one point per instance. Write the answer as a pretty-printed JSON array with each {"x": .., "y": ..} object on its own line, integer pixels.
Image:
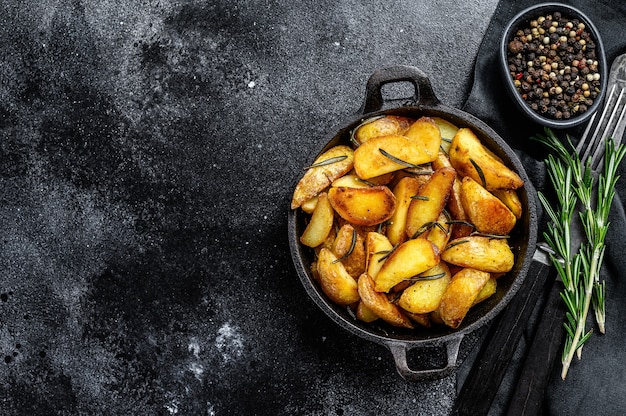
[{"x": 554, "y": 66}]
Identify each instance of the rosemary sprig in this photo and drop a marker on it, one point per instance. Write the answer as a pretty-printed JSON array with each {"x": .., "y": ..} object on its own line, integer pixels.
[{"x": 579, "y": 267}]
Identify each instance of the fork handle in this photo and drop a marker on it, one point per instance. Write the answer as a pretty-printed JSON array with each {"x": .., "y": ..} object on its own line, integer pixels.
[{"x": 529, "y": 393}]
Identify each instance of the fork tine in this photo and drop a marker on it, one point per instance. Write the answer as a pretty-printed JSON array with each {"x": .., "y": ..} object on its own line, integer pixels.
[
  {"x": 612, "y": 128},
  {"x": 587, "y": 144}
]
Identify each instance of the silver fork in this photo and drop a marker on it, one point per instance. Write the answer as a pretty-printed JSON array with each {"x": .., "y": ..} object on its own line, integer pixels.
[{"x": 610, "y": 122}]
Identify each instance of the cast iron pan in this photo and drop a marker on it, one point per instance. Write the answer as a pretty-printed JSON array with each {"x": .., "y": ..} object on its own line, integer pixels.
[{"x": 523, "y": 238}]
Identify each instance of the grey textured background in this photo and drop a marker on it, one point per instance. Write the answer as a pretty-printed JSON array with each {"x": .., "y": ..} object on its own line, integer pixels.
[{"x": 147, "y": 156}]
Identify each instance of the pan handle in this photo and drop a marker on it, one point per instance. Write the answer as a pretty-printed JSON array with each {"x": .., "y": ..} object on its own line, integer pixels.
[
  {"x": 424, "y": 94},
  {"x": 399, "y": 351}
]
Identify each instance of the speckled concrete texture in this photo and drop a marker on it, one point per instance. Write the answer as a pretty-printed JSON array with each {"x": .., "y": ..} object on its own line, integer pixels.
[{"x": 147, "y": 156}]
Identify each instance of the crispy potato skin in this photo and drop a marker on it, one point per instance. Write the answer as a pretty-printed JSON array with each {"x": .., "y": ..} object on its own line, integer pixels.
[
  {"x": 355, "y": 262},
  {"x": 370, "y": 162},
  {"x": 425, "y": 296},
  {"x": 335, "y": 281},
  {"x": 426, "y": 133},
  {"x": 321, "y": 223},
  {"x": 466, "y": 147},
  {"x": 406, "y": 188},
  {"x": 382, "y": 126},
  {"x": 410, "y": 259},
  {"x": 363, "y": 206},
  {"x": 481, "y": 253},
  {"x": 316, "y": 179},
  {"x": 484, "y": 210},
  {"x": 376, "y": 245},
  {"x": 379, "y": 304},
  {"x": 460, "y": 295},
  {"x": 435, "y": 195}
]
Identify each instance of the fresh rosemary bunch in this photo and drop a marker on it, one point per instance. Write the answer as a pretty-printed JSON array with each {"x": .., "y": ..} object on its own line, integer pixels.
[{"x": 579, "y": 267}]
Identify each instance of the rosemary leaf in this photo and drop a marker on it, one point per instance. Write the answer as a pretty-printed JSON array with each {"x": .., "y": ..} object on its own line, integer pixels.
[
  {"x": 350, "y": 250},
  {"x": 480, "y": 172},
  {"x": 326, "y": 162},
  {"x": 397, "y": 160}
]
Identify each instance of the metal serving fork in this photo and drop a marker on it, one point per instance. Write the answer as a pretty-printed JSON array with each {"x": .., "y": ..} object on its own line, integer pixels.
[
  {"x": 528, "y": 396},
  {"x": 483, "y": 381}
]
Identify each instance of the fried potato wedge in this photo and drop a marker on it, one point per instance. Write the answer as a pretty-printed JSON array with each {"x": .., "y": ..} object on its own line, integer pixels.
[
  {"x": 448, "y": 130},
  {"x": 404, "y": 190},
  {"x": 440, "y": 233},
  {"x": 316, "y": 179},
  {"x": 381, "y": 126},
  {"x": 381, "y": 155},
  {"x": 321, "y": 223},
  {"x": 309, "y": 205},
  {"x": 349, "y": 246},
  {"x": 492, "y": 255},
  {"x": 424, "y": 296},
  {"x": 377, "y": 247},
  {"x": 426, "y": 132},
  {"x": 510, "y": 198},
  {"x": 365, "y": 314},
  {"x": 455, "y": 208},
  {"x": 460, "y": 295},
  {"x": 487, "y": 291},
  {"x": 433, "y": 196},
  {"x": 350, "y": 181},
  {"x": 379, "y": 304},
  {"x": 420, "y": 318},
  {"x": 484, "y": 210},
  {"x": 467, "y": 152},
  {"x": 363, "y": 206},
  {"x": 334, "y": 280},
  {"x": 409, "y": 259}
]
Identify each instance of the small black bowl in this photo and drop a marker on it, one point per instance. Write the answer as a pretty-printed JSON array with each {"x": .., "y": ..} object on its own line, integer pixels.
[{"x": 521, "y": 21}]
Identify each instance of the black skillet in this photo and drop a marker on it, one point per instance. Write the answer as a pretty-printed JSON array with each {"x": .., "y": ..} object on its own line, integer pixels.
[{"x": 523, "y": 238}]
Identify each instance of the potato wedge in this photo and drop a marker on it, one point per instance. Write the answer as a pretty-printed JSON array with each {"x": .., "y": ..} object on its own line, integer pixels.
[
  {"x": 406, "y": 188},
  {"x": 350, "y": 181},
  {"x": 487, "y": 291},
  {"x": 492, "y": 255},
  {"x": 335, "y": 281},
  {"x": 365, "y": 314},
  {"x": 421, "y": 318},
  {"x": 484, "y": 210},
  {"x": 409, "y": 259},
  {"x": 379, "y": 304},
  {"x": 316, "y": 179},
  {"x": 370, "y": 160},
  {"x": 425, "y": 132},
  {"x": 363, "y": 206},
  {"x": 433, "y": 196},
  {"x": 382, "y": 126},
  {"x": 440, "y": 234},
  {"x": 448, "y": 130},
  {"x": 442, "y": 161},
  {"x": 321, "y": 223},
  {"x": 460, "y": 295},
  {"x": 467, "y": 148},
  {"x": 455, "y": 207},
  {"x": 309, "y": 205},
  {"x": 348, "y": 238},
  {"x": 377, "y": 247},
  {"x": 424, "y": 296},
  {"x": 510, "y": 198}
]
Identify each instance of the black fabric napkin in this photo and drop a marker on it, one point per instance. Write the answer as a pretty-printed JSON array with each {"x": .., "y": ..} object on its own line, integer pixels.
[{"x": 597, "y": 383}]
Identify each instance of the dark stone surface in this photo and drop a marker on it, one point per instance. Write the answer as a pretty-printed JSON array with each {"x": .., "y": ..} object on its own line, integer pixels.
[{"x": 148, "y": 152}]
